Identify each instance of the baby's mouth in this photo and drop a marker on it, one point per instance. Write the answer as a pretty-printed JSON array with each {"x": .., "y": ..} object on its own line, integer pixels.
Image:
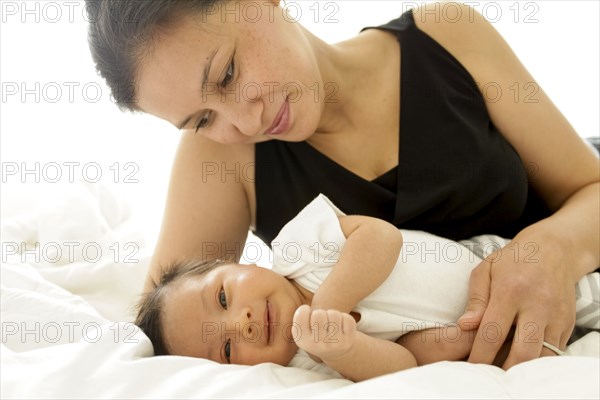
[
  {"x": 270, "y": 325},
  {"x": 267, "y": 323}
]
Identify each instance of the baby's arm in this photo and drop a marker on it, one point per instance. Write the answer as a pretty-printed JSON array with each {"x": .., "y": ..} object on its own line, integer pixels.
[
  {"x": 332, "y": 336},
  {"x": 369, "y": 255}
]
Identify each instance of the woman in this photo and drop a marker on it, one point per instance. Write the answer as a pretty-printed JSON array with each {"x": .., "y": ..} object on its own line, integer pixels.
[{"x": 271, "y": 116}]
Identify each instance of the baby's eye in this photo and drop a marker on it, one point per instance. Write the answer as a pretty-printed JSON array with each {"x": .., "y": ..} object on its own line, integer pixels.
[
  {"x": 223, "y": 299},
  {"x": 228, "y": 351}
]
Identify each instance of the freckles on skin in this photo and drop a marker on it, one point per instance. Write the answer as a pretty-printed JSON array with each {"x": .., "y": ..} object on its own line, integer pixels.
[
  {"x": 272, "y": 56},
  {"x": 170, "y": 74}
]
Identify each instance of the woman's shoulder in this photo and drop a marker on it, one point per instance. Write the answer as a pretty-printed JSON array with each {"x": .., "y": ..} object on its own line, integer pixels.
[
  {"x": 458, "y": 28},
  {"x": 463, "y": 32},
  {"x": 203, "y": 156},
  {"x": 192, "y": 145},
  {"x": 537, "y": 130}
]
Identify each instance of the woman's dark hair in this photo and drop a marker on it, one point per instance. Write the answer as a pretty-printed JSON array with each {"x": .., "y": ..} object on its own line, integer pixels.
[
  {"x": 121, "y": 31},
  {"x": 150, "y": 306}
]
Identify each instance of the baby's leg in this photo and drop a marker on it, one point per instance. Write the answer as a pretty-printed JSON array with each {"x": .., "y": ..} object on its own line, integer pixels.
[{"x": 446, "y": 343}]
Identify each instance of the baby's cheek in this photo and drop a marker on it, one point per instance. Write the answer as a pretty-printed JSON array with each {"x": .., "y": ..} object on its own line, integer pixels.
[
  {"x": 285, "y": 350},
  {"x": 289, "y": 353}
]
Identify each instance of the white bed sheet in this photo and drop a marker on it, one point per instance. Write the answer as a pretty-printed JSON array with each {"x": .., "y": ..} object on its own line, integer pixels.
[{"x": 65, "y": 335}]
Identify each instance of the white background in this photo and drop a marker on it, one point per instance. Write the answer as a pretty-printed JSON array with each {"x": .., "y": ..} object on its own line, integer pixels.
[{"x": 44, "y": 50}]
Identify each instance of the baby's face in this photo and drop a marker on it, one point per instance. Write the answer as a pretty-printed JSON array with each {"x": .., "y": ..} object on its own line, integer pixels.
[{"x": 238, "y": 314}]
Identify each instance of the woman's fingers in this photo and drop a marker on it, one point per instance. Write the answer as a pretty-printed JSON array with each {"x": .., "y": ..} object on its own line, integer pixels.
[
  {"x": 527, "y": 341},
  {"x": 552, "y": 344},
  {"x": 479, "y": 293},
  {"x": 493, "y": 331},
  {"x": 555, "y": 342},
  {"x": 534, "y": 292}
]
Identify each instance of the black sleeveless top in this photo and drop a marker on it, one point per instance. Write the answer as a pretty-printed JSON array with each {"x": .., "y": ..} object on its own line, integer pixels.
[{"x": 456, "y": 176}]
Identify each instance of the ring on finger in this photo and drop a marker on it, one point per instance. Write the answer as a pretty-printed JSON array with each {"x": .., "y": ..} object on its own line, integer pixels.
[{"x": 553, "y": 348}]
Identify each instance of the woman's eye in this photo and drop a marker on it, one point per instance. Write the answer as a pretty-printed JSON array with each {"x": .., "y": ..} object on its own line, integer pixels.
[
  {"x": 228, "y": 351},
  {"x": 228, "y": 75},
  {"x": 223, "y": 299},
  {"x": 202, "y": 122}
]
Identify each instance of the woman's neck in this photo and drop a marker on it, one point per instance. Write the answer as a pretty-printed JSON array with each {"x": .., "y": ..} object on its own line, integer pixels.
[{"x": 344, "y": 68}]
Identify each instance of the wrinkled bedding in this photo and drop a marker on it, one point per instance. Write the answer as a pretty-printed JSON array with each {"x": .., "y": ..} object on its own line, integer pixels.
[{"x": 66, "y": 330}]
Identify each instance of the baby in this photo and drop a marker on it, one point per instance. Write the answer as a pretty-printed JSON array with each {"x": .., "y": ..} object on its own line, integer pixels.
[{"x": 353, "y": 293}]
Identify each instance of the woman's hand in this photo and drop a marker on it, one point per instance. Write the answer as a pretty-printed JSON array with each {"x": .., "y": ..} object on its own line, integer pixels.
[
  {"x": 326, "y": 334},
  {"x": 529, "y": 284}
]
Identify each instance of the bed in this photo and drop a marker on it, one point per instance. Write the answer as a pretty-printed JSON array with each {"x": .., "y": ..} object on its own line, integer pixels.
[{"x": 66, "y": 306}]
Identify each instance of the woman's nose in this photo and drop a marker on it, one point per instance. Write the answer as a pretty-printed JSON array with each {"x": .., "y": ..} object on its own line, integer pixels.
[{"x": 244, "y": 113}]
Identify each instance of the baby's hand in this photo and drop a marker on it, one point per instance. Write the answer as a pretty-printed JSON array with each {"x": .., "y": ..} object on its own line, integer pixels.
[{"x": 327, "y": 334}]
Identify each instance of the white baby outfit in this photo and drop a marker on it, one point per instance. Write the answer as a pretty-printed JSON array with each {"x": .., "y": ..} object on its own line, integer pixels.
[{"x": 426, "y": 289}]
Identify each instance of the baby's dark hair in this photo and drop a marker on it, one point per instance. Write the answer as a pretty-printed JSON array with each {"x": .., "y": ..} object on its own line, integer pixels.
[{"x": 150, "y": 306}]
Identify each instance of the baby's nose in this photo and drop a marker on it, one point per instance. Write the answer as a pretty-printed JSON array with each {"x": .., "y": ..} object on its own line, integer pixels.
[{"x": 246, "y": 327}]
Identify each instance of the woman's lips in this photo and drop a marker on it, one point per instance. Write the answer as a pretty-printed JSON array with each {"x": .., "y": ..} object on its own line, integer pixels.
[{"x": 282, "y": 120}]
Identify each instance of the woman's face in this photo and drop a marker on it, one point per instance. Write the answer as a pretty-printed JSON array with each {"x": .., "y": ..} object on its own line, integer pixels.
[{"x": 242, "y": 74}]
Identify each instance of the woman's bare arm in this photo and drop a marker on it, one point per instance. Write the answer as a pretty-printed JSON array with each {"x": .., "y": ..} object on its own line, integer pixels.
[
  {"x": 207, "y": 214},
  {"x": 538, "y": 297}
]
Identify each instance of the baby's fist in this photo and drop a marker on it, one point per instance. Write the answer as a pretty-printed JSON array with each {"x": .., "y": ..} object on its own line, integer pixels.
[{"x": 327, "y": 334}]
